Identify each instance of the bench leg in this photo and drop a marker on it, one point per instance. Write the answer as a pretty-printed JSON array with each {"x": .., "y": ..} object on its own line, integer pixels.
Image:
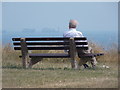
[
  {"x": 74, "y": 64},
  {"x": 25, "y": 60},
  {"x": 34, "y": 61}
]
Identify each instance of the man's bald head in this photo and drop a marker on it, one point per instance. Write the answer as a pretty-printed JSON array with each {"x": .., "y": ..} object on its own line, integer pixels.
[{"x": 73, "y": 24}]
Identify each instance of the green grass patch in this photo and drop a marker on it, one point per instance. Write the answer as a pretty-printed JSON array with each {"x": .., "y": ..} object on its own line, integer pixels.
[{"x": 58, "y": 76}]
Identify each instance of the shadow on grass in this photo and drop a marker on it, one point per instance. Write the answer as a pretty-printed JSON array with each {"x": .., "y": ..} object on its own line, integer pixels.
[
  {"x": 50, "y": 68},
  {"x": 20, "y": 67},
  {"x": 12, "y": 67}
]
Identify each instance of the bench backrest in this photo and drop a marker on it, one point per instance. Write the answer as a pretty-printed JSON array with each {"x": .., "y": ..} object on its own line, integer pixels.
[{"x": 49, "y": 43}]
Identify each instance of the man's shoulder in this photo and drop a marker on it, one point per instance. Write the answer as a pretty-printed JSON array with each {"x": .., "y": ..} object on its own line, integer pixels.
[
  {"x": 66, "y": 32},
  {"x": 73, "y": 32},
  {"x": 78, "y": 32}
]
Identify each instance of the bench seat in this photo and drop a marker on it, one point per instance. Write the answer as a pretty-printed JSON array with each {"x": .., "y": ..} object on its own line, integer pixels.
[
  {"x": 49, "y": 55},
  {"x": 62, "y": 55},
  {"x": 90, "y": 55}
]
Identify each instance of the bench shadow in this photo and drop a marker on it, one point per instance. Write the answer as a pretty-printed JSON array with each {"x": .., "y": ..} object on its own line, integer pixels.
[
  {"x": 50, "y": 68},
  {"x": 21, "y": 68},
  {"x": 12, "y": 67}
]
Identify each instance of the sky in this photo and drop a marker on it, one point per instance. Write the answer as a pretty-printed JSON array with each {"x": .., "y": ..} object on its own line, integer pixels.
[
  {"x": 95, "y": 18},
  {"x": 38, "y": 15}
]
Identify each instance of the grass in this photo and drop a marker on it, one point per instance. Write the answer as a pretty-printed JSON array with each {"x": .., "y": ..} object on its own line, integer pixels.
[
  {"x": 57, "y": 76},
  {"x": 57, "y": 73}
]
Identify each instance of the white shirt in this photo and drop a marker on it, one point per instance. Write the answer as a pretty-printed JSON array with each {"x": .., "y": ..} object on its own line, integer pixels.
[{"x": 73, "y": 33}]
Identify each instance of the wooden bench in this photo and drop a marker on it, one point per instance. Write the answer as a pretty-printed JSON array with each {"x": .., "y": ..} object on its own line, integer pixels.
[{"x": 50, "y": 43}]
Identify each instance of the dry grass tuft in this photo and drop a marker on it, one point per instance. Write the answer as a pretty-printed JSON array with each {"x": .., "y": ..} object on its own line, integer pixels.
[
  {"x": 110, "y": 54},
  {"x": 11, "y": 57}
]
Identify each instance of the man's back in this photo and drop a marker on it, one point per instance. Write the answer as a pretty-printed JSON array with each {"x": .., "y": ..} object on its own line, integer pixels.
[{"x": 73, "y": 33}]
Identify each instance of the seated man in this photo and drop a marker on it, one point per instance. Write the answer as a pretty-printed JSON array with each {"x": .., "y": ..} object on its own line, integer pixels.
[
  {"x": 86, "y": 59},
  {"x": 74, "y": 33}
]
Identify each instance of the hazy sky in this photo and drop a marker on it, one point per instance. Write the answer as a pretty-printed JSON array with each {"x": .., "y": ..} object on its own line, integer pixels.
[{"x": 92, "y": 16}]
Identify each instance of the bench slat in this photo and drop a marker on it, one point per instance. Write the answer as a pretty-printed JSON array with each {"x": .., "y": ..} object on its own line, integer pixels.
[
  {"x": 61, "y": 55},
  {"x": 50, "y": 48},
  {"x": 90, "y": 55},
  {"x": 50, "y": 55},
  {"x": 43, "y": 48},
  {"x": 48, "y": 38},
  {"x": 50, "y": 43}
]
